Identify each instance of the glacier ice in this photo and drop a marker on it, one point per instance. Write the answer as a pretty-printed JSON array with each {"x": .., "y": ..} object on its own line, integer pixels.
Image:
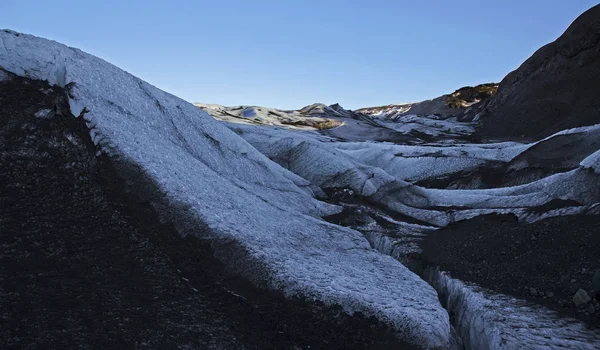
[
  {"x": 253, "y": 207},
  {"x": 340, "y": 165},
  {"x": 487, "y": 320}
]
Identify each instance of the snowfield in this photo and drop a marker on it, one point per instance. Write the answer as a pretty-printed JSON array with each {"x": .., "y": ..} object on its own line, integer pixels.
[{"x": 261, "y": 216}]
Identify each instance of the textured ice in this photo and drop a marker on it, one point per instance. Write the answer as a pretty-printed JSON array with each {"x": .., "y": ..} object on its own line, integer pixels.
[
  {"x": 563, "y": 150},
  {"x": 504, "y": 151},
  {"x": 340, "y": 165},
  {"x": 429, "y": 125},
  {"x": 249, "y": 202},
  {"x": 592, "y": 162},
  {"x": 486, "y": 320},
  {"x": 415, "y": 163},
  {"x": 389, "y": 111},
  {"x": 312, "y": 160}
]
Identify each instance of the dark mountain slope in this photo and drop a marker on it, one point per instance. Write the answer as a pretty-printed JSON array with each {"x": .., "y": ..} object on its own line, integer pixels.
[{"x": 557, "y": 88}]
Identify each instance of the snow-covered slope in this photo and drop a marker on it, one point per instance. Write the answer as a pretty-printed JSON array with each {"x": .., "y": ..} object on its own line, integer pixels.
[
  {"x": 418, "y": 163},
  {"x": 262, "y": 219},
  {"x": 436, "y": 106},
  {"x": 343, "y": 124},
  {"x": 428, "y": 127}
]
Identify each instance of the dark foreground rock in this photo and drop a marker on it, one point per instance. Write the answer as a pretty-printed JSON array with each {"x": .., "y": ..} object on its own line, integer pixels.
[
  {"x": 546, "y": 262},
  {"x": 83, "y": 265},
  {"x": 555, "y": 89}
]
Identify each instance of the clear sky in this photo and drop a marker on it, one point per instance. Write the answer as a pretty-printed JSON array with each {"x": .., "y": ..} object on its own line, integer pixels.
[{"x": 290, "y": 53}]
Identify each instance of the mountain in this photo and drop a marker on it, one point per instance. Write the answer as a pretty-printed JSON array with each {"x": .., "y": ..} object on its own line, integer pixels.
[
  {"x": 346, "y": 125},
  {"x": 316, "y": 116},
  {"x": 446, "y": 106},
  {"x": 556, "y": 88}
]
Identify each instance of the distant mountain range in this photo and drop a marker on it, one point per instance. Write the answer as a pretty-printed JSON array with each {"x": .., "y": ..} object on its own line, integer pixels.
[
  {"x": 316, "y": 116},
  {"x": 556, "y": 88}
]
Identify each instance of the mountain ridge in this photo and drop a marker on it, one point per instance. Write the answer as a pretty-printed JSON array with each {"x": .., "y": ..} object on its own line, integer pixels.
[
  {"x": 449, "y": 105},
  {"x": 556, "y": 88}
]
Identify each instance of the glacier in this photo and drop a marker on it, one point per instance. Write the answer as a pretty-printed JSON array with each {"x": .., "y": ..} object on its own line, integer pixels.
[
  {"x": 257, "y": 190},
  {"x": 346, "y": 165},
  {"x": 485, "y": 319},
  {"x": 383, "y": 173},
  {"x": 263, "y": 220}
]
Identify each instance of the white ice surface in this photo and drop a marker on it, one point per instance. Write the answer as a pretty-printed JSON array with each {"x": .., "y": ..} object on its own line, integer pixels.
[
  {"x": 502, "y": 152},
  {"x": 339, "y": 165},
  {"x": 240, "y": 194},
  {"x": 415, "y": 163},
  {"x": 313, "y": 160}
]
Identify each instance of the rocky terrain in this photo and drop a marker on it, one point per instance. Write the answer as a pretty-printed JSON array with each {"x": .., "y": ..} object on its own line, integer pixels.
[
  {"x": 135, "y": 219},
  {"x": 548, "y": 262}
]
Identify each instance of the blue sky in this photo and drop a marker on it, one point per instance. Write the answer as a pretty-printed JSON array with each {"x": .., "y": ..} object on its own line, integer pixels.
[{"x": 287, "y": 54}]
